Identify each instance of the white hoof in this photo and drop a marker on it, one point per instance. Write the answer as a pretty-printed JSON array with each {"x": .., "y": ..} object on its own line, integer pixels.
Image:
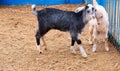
[
  {"x": 38, "y": 49},
  {"x": 83, "y": 53},
  {"x": 107, "y": 49},
  {"x": 94, "y": 48},
  {"x": 73, "y": 50}
]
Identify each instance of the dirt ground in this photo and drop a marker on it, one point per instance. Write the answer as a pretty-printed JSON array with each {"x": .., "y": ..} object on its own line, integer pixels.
[{"x": 18, "y": 46}]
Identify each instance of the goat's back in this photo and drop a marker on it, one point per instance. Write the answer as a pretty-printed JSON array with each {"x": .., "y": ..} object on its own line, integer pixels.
[{"x": 58, "y": 19}]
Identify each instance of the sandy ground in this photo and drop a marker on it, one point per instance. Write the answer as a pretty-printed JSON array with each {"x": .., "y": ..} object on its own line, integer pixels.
[{"x": 18, "y": 47}]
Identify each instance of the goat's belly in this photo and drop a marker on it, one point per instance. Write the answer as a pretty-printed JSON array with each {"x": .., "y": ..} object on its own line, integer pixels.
[{"x": 61, "y": 27}]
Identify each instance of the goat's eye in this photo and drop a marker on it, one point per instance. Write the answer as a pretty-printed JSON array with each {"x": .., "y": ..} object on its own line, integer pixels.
[
  {"x": 92, "y": 9},
  {"x": 95, "y": 10},
  {"x": 88, "y": 11}
]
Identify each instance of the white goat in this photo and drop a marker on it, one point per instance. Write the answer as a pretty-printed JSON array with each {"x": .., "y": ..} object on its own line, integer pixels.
[{"x": 99, "y": 27}]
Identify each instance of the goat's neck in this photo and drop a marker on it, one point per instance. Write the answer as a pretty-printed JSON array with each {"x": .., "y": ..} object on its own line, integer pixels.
[{"x": 85, "y": 19}]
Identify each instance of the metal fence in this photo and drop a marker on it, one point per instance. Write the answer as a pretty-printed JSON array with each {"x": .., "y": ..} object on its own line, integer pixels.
[{"x": 113, "y": 9}]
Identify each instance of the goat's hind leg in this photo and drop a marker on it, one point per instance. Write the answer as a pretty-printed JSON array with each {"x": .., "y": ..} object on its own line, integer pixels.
[
  {"x": 44, "y": 43},
  {"x": 72, "y": 46},
  {"x": 38, "y": 42},
  {"x": 106, "y": 42}
]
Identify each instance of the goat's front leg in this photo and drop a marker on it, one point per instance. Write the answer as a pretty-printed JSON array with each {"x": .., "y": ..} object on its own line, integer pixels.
[
  {"x": 83, "y": 52},
  {"x": 94, "y": 39},
  {"x": 94, "y": 48},
  {"x": 74, "y": 36},
  {"x": 91, "y": 33}
]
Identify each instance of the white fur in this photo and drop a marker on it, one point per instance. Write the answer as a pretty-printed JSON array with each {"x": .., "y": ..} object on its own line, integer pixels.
[
  {"x": 102, "y": 18},
  {"x": 33, "y": 6},
  {"x": 73, "y": 49},
  {"x": 34, "y": 11},
  {"x": 82, "y": 51},
  {"x": 101, "y": 9}
]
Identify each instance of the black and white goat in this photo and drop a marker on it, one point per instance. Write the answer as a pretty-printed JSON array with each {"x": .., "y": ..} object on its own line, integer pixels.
[
  {"x": 67, "y": 21},
  {"x": 98, "y": 28}
]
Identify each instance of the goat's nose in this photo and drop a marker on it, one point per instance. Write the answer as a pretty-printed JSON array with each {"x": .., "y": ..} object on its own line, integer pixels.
[
  {"x": 98, "y": 23},
  {"x": 95, "y": 10}
]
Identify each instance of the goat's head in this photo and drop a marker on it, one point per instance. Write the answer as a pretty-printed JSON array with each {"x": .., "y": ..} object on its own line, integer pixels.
[{"x": 88, "y": 10}]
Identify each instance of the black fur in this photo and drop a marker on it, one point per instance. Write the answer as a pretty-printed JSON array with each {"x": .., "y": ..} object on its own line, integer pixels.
[{"x": 50, "y": 18}]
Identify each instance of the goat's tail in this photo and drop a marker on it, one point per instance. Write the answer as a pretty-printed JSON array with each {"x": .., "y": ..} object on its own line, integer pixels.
[
  {"x": 34, "y": 9},
  {"x": 95, "y": 3}
]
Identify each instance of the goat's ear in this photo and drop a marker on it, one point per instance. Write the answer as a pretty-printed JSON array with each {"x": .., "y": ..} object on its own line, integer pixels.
[{"x": 86, "y": 7}]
